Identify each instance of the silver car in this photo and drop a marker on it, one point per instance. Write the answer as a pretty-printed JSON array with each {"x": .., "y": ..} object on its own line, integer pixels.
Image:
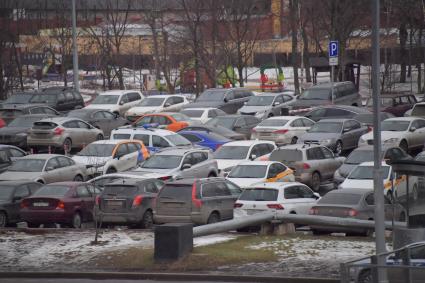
[
  {"x": 180, "y": 163},
  {"x": 45, "y": 168},
  {"x": 267, "y": 105}
]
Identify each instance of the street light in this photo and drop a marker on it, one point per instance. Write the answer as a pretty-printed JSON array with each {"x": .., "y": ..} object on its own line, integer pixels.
[{"x": 74, "y": 47}]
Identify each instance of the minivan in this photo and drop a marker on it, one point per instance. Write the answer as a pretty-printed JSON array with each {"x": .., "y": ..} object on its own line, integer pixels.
[
  {"x": 198, "y": 201},
  {"x": 62, "y": 99},
  {"x": 344, "y": 93}
]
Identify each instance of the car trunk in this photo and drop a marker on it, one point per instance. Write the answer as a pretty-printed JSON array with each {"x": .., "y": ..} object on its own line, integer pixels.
[
  {"x": 258, "y": 200},
  {"x": 264, "y": 133},
  {"x": 174, "y": 200},
  {"x": 333, "y": 210},
  {"x": 43, "y": 130},
  {"x": 117, "y": 199},
  {"x": 42, "y": 203}
]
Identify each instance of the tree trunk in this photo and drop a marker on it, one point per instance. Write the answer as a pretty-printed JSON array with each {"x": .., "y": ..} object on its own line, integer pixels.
[
  {"x": 293, "y": 10},
  {"x": 306, "y": 55},
  {"x": 19, "y": 67},
  {"x": 403, "y": 52}
]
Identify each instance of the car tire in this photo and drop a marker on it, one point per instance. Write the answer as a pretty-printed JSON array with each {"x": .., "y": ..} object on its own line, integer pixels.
[
  {"x": 404, "y": 146},
  {"x": 78, "y": 178},
  {"x": 67, "y": 145},
  {"x": 147, "y": 220},
  {"x": 214, "y": 218},
  {"x": 338, "y": 148},
  {"x": 212, "y": 175},
  {"x": 365, "y": 276},
  {"x": 32, "y": 225},
  {"x": 99, "y": 137},
  {"x": 111, "y": 170},
  {"x": 76, "y": 221},
  {"x": 315, "y": 181},
  {"x": 319, "y": 232},
  {"x": 3, "y": 219},
  {"x": 294, "y": 140}
]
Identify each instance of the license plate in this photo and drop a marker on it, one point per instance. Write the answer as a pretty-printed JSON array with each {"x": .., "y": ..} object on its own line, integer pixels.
[
  {"x": 42, "y": 204},
  {"x": 114, "y": 203},
  {"x": 253, "y": 211}
]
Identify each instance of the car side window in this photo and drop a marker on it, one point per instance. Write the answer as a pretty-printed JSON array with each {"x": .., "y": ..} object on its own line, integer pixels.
[
  {"x": 307, "y": 123},
  {"x": 92, "y": 189},
  {"x": 145, "y": 120},
  {"x": 16, "y": 153},
  {"x": 158, "y": 184},
  {"x": 415, "y": 124},
  {"x": 158, "y": 141},
  {"x": 199, "y": 157},
  {"x": 305, "y": 192},
  {"x": 404, "y": 100},
  {"x": 124, "y": 99},
  {"x": 83, "y": 125},
  {"x": 238, "y": 94},
  {"x": 327, "y": 154},
  {"x": 21, "y": 192},
  {"x": 132, "y": 147},
  {"x": 61, "y": 98},
  {"x": 287, "y": 98},
  {"x": 222, "y": 190},
  {"x": 255, "y": 151},
  {"x": 189, "y": 159},
  {"x": 108, "y": 115},
  {"x": 122, "y": 150},
  {"x": 143, "y": 138},
  {"x": 34, "y": 187},
  {"x": 230, "y": 95},
  {"x": 250, "y": 120},
  {"x": 63, "y": 161},
  {"x": 275, "y": 169},
  {"x": 370, "y": 200},
  {"x": 338, "y": 112},
  {"x": 421, "y": 123},
  {"x": 4, "y": 157},
  {"x": 151, "y": 188},
  {"x": 71, "y": 125},
  {"x": 297, "y": 123},
  {"x": 212, "y": 113},
  {"x": 169, "y": 101},
  {"x": 263, "y": 149},
  {"x": 355, "y": 125},
  {"x": 37, "y": 110},
  {"x": 53, "y": 163},
  {"x": 69, "y": 97},
  {"x": 192, "y": 138},
  {"x": 99, "y": 115},
  {"x": 208, "y": 190},
  {"x": 291, "y": 192},
  {"x": 162, "y": 120},
  {"x": 279, "y": 99},
  {"x": 234, "y": 190},
  {"x": 82, "y": 192},
  {"x": 50, "y": 111},
  {"x": 133, "y": 96},
  {"x": 317, "y": 113},
  {"x": 177, "y": 99},
  {"x": 240, "y": 122}
]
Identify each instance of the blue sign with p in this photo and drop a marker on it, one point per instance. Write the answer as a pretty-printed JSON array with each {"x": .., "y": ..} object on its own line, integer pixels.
[{"x": 333, "y": 49}]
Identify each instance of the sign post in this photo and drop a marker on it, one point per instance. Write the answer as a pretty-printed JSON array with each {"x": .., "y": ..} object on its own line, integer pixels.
[{"x": 333, "y": 61}]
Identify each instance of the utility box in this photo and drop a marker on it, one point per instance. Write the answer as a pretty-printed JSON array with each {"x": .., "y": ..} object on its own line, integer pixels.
[{"x": 173, "y": 241}]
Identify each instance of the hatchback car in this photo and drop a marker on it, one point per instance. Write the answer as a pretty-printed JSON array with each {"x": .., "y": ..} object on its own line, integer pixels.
[
  {"x": 45, "y": 168},
  {"x": 396, "y": 104},
  {"x": 337, "y": 134},
  {"x": 266, "y": 105},
  {"x": 203, "y": 115},
  {"x": 210, "y": 140},
  {"x": 128, "y": 202},
  {"x": 335, "y": 112},
  {"x": 101, "y": 181},
  {"x": 11, "y": 195},
  {"x": 62, "y": 99},
  {"x": 199, "y": 201},
  {"x": 283, "y": 129},
  {"x": 8, "y": 114},
  {"x": 62, "y": 133},
  {"x": 66, "y": 203},
  {"x": 242, "y": 124},
  {"x": 313, "y": 164},
  {"x": 166, "y": 120},
  {"x": 116, "y": 101}
]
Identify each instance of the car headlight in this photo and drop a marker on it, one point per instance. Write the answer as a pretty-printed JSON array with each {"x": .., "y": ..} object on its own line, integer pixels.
[
  {"x": 327, "y": 141},
  {"x": 392, "y": 140}
]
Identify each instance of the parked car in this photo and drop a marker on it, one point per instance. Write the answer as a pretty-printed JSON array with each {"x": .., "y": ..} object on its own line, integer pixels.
[
  {"x": 281, "y": 198},
  {"x": 8, "y": 114},
  {"x": 111, "y": 156},
  {"x": 227, "y": 99},
  {"x": 166, "y": 120},
  {"x": 61, "y": 99},
  {"x": 336, "y": 134},
  {"x": 249, "y": 173},
  {"x": 366, "y": 119},
  {"x": 66, "y": 203},
  {"x": 206, "y": 139},
  {"x": 101, "y": 119},
  {"x": 18, "y": 98},
  {"x": 267, "y": 105},
  {"x": 156, "y": 104},
  {"x": 396, "y": 104},
  {"x": 421, "y": 180},
  {"x": 405, "y": 132},
  {"x": 178, "y": 162},
  {"x": 313, "y": 164},
  {"x": 282, "y": 130},
  {"x": 103, "y": 180},
  {"x": 8, "y": 154},
  {"x": 128, "y": 202},
  {"x": 242, "y": 124},
  {"x": 345, "y": 93},
  {"x": 335, "y": 112},
  {"x": 154, "y": 139},
  {"x": 351, "y": 203},
  {"x": 116, "y": 101},
  {"x": 364, "y": 154},
  {"x": 62, "y": 133},
  {"x": 232, "y": 153},
  {"x": 202, "y": 115},
  {"x": 418, "y": 110},
  {"x": 11, "y": 195},
  {"x": 17, "y": 131},
  {"x": 201, "y": 201},
  {"x": 220, "y": 130},
  {"x": 45, "y": 168}
]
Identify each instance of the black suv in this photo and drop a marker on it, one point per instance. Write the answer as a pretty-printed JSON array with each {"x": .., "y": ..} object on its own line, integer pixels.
[{"x": 63, "y": 99}]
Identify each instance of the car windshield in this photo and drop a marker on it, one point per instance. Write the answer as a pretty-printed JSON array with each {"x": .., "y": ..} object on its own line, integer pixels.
[
  {"x": 5, "y": 192},
  {"x": 179, "y": 117},
  {"x": 177, "y": 140},
  {"x": 366, "y": 173},
  {"x": 44, "y": 98},
  {"x": 27, "y": 165},
  {"x": 23, "y": 122},
  {"x": 395, "y": 126},
  {"x": 162, "y": 162},
  {"x": 121, "y": 136},
  {"x": 259, "y": 194},
  {"x": 359, "y": 156},
  {"x": 223, "y": 121},
  {"x": 51, "y": 190},
  {"x": 106, "y": 99},
  {"x": 19, "y": 99},
  {"x": 418, "y": 110},
  {"x": 98, "y": 150},
  {"x": 326, "y": 127},
  {"x": 212, "y": 95},
  {"x": 192, "y": 113},
  {"x": 316, "y": 93},
  {"x": 232, "y": 152},
  {"x": 248, "y": 171},
  {"x": 288, "y": 155},
  {"x": 260, "y": 100},
  {"x": 273, "y": 123},
  {"x": 152, "y": 101},
  {"x": 340, "y": 198}
]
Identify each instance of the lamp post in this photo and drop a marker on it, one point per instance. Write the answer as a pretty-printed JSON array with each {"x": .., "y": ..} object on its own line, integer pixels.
[{"x": 74, "y": 48}]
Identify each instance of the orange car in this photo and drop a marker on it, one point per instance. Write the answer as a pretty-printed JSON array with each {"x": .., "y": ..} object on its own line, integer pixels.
[{"x": 166, "y": 120}]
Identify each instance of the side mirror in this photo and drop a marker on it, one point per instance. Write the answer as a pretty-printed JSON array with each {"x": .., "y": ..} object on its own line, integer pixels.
[
  {"x": 118, "y": 156},
  {"x": 316, "y": 195},
  {"x": 346, "y": 130},
  {"x": 412, "y": 129},
  {"x": 121, "y": 102},
  {"x": 225, "y": 174},
  {"x": 276, "y": 103},
  {"x": 253, "y": 157},
  {"x": 186, "y": 166},
  {"x": 50, "y": 168},
  {"x": 116, "y": 116},
  {"x": 167, "y": 104}
]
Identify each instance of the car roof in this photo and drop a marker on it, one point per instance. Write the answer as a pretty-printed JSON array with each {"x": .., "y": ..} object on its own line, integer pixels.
[
  {"x": 165, "y": 95},
  {"x": 345, "y": 107},
  {"x": 22, "y": 106},
  {"x": 41, "y": 156},
  {"x": 408, "y": 119},
  {"x": 285, "y": 117},
  {"x": 178, "y": 150},
  {"x": 392, "y": 95},
  {"x": 329, "y": 84},
  {"x": 299, "y": 146},
  {"x": 116, "y": 92},
  {"x": 371, "y": 163},
  {"x": 247, "y": 142},
  {"x": 231, "y": 116},
  {"x": 16, "y": 182},
  {"x": 201, "y": 108},
  {"x": 109, "y": 141},
  {"x": 141, "y": 130},
  {"x": 190, "y": 181},
  {"x": 274, "y": 185},
  {"x": 129, "y": 181},
  {"x": 66, "y": 183},
  {"x": 45, "y": 116},
  {"x": 257, "y": 162},
  {"x": 9, "y": 146},
  {"x": 60, "y": 119},
  {"x": 351, "y": 191},
  {"x": 335, "y": 120}
]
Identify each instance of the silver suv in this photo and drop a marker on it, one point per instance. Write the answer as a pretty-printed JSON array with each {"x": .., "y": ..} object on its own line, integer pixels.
[{"x": 201, "y": 201}]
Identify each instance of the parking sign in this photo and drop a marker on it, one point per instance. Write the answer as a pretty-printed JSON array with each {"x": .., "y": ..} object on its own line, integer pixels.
[{"x": 333, "y": 49}]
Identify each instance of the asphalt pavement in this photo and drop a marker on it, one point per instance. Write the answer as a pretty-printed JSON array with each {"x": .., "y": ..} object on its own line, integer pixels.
[{"x": 40, "y": 280}]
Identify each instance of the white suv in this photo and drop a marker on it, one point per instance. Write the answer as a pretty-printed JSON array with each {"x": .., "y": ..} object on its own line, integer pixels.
[
  {"x": 116, "y": 101},
  {"x": 156, "y": 104}
]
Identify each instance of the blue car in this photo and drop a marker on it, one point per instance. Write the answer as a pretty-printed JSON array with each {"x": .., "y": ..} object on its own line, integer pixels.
[{"x": 206, "y": 139}]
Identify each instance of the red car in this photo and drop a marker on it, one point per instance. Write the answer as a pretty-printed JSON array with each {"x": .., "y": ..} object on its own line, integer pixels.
[
  {"x": 66, "y": 203},
  {"x": 396, "y": 104}
]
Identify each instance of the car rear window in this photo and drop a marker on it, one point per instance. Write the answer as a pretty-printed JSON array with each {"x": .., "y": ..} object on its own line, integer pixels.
[
  {"x": 120, "y": 190},
  {"x": 418, "y": 110},
  {"x": 259, "y": 194},
  {"x": 176, "y": 192},
  {"x": 121, "y": 136},
  {"x": 44, "y": 125},
  {"x": 286, "y": 155},
  {"x": 51, "y": 191},
  {"x": 10, "y": 112},
  {"x": 340, "y": 199}
]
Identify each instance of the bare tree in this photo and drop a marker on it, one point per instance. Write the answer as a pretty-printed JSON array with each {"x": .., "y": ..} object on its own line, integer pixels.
[{"x": 293, "y": 19}]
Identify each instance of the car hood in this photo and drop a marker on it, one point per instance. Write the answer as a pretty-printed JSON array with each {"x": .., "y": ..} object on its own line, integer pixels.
[
  {"x": 345, "y": 169},
  {"x": 11, "y": 176},
  {"x": 301, "y": 103},
  {"x": 252, "y": 109},
  {"x": 202, "y": 104},
  {"x": 140, "y": 170},
  {"x": 144, "y": 110},
  {"x": 225, "y": 163},
  {"x": 245, "y": 182},
  {"x": 13, "y": 130},
  {"x": 357, "y": 184},
  {"x": 91, "y": 160},
  {"x": 101, "y": 106},
  {"x": 319, "y": 136},
  {"x": 385, "y": 135}
]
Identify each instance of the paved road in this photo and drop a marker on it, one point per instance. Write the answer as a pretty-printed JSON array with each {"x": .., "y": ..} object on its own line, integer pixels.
[{"x": 19, "y": 280}]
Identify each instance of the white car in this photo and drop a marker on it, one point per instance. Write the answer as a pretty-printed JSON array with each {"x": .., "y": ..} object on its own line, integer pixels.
[
  {"x": 405, "y": 132},
  {"x": 232, "y": 153},
  {"x": 109, "y": 156},
  {"x": 202, "y": 115},
  {"x": 154, "y": 139},
  {"x": 282, "y": 198},
  {"x": 248, "y": 173},
  {"x": 282, "y": 129},
  {"x": 116, "y": 101},
  {"x": 103, "y": 180},
  {"x": 156, "y": 104}
]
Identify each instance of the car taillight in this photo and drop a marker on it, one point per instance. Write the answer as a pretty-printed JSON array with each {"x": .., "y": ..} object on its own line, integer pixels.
[
  {"x": 61, "y": 205},
  {"x": 313, "y": 211},
  {"x": 165, "y": 178},
  {"x": 97, "y": 200},
  {"x": 218, "y": 146},
  {"x": 236, "y": 205},
  {"x": 369, "y": 129},
  {"x": 2, "y": 123},
  {"x": 58, "y": 131},
  {"x": 24, "y": 203},
  {"x": 195, "y": 201},
  {"x": 306, "y": 166},
  {"x": 253, "y": 130},
  {"x": 137, "y": 200},
  {"x": 275, "y": 206},
  {"x": 280, "y": 131},
  {"x": 352, "y": 212}
]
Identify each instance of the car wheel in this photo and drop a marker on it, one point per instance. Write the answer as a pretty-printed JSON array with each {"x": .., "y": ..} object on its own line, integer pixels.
[
  {"x": 76, "y": 221},
  {"x": 147, "y": 220},
  {"x": 403, "y": 145},
  {"x": 338, "y": 148},
  {"x": 111, "y": 170},
  {"x": 99, "y": 137},
  {"x": 415, "y": 194},
  {"x": 319, "y": 232},
  {"x": 294, "y": 140},
  {"x": 315, "y": 181},
  {"x": 3, "y": 219},
  {"x": 365, "y": 276},
  {"x": 32, "y": 225},
  {"x": 67, "y": 145},
  {"x": 214, "y": 218},
  {"x": 78, "y": 178},
  {"x": 212, "y": 175}
]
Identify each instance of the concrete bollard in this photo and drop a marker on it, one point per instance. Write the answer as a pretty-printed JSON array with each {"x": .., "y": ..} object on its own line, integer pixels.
[
  {"x": 173, "y": 241},
  {"x": 278, "y": 229}
]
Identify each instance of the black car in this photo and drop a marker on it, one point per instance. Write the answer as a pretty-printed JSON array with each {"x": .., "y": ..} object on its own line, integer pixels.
[
  {"x": 128, "y": 202},
  {"x": 16, "y": 132},
  {"x": 220, "y": 130},
  {"x": 242, "y": 124},
  {"x": 18, "y": 98},
  {"x": 11, "y": 194},
  {"x": 10, "y": 112},
  {"x": 8, "y": 154},
  {"x": 62, "y": 99},
  {"x": 335, "y": 111},
  {"x": 102, "y": 119}
]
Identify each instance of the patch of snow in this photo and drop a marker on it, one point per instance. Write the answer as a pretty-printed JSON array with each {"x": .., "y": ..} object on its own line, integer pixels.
[{"x": 212, "y": 239}]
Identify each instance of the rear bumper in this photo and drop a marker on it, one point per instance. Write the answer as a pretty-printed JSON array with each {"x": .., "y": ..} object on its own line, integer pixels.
[
  {"x": 56, "y": 142},
  {"x": 119, "y": 218},
  {"x": 195, "y": 218},
  {"x": 46, "y": 216}
]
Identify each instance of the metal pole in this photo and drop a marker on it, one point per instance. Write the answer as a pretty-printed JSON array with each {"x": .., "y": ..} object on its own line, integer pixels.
[
  {"x": 74, "y": 48},
  {"x": 332, "y": 84},
  {"x": 377, "y": 181}
]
